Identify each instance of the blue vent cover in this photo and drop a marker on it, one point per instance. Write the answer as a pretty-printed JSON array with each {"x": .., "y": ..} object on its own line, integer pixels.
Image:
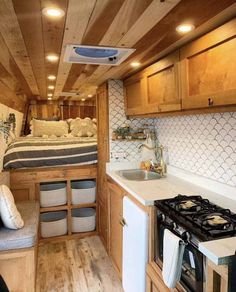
[{"x": 96, "y": 53}]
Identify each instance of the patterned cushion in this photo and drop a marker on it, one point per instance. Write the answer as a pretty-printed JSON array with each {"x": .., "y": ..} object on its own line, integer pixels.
[
  {"x": 10, "y": 216},
  {"x": 25, "y": 237},
  {"x": 41, "y": 128}
]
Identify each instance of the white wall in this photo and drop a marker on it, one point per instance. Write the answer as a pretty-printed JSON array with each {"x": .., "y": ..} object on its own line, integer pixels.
[
  {"x": 117, "y": 118},
  {"x": 203, "y": 144},
  {"x": 4, "y": 113}
]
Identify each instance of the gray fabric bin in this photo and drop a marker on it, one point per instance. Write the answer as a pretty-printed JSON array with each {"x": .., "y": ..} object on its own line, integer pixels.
[
  {"x": 83, "y": 220},
  {"x": 53, "y": 223},
  {"x": 53, "y": 194},
  {"x": 83, "y": 192}
]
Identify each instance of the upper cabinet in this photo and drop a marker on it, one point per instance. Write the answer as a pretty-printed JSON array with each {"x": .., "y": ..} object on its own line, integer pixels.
[
  {"x": 208, "y": 76},
  {"x": 199, "y": 75},
  {"x": 162, "y": 81},
  {"x": 155, "y": 89}
]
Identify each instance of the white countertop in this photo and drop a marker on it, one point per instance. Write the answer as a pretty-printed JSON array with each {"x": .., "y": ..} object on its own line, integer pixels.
[{"x": 146, "y": 192}]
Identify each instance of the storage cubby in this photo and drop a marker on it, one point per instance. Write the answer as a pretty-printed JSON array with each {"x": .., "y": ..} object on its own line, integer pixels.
[
  {"x": 53, "y": 224},
  {"x": 83, "y": 192},
  {"x": 53, "y": 194},
  {"x": 68, "y": 208},
  {"x": 83, "y": 220}
]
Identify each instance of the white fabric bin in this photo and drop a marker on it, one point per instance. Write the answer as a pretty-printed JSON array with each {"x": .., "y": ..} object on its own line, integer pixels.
[
  {"x": 53, "y": 194},
  {"x": 53, "y": 224},
  {"x": 83, "y": 191},
  {"x": 83, "y": 220}
]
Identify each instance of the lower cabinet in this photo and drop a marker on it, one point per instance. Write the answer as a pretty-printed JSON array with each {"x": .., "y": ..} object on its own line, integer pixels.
[
  {"x": 115, "y": 200},
  {"x": 103, "y": 222}
]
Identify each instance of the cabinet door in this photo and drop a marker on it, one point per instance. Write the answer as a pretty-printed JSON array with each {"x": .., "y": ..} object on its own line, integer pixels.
[
  {"x": 208, "y": 69},
  {"x": 103, "y": 223},
  {"x": 116, "y": 231},
  {"x": 135, "y": 94},
  {"x": 163, "y": 85}
]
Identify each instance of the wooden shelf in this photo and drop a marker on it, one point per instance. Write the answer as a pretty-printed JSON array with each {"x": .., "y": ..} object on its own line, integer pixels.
[
  {"x": 90, "y": 205},
  {"x": 128, "y": 140},
  {"x": 54, "y": 208},
  {"x": 68, "y": 236}
]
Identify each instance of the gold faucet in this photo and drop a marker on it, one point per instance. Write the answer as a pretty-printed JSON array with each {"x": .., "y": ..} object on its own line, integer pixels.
[{"x": 161, "y": 166}]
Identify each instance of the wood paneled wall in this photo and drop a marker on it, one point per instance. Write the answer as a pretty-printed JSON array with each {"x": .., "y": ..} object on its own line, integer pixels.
[{"x": 49, "y": 110}]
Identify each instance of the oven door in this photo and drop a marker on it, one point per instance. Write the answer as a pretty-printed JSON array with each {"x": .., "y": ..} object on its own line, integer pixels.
[{"x": 192, "y": 275}]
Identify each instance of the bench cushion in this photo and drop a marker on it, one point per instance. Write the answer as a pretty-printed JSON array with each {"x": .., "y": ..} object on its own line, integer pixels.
[{"x": 25, "y": 237}]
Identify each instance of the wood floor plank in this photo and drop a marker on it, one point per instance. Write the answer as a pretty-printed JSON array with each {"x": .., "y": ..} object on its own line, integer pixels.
[{"x": 76, "y": 266}]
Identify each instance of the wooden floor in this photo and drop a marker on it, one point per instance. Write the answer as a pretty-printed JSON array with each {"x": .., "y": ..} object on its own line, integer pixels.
[{"x": 80, "y": 265}]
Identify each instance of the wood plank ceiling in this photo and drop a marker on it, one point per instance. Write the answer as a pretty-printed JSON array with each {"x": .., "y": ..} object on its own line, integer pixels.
[{"x": 27, "y": 36}]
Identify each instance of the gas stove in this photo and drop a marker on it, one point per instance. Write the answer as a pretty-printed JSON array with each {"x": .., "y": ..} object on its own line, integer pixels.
[{"x": 199, "y": 216}]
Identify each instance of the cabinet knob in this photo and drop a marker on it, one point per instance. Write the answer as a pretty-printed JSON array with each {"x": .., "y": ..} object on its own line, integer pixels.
[
  {"x": 123, "y": 222},
  {"x": 210, "y": 102}
]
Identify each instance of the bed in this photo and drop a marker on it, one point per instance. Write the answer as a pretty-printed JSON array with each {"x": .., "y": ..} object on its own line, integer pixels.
[{"x": 36, "y": 152}]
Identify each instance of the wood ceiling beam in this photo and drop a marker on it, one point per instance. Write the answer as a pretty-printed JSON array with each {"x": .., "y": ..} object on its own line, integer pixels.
[
  {"x": 76, "y": 23},
  {"x": 147, "y": 16},
  {"x": 200, "y": 11},
  {"x": 10, "y": 30},
  {"x": 53, "y": 31},
  {"x": 29, "y": 17}
]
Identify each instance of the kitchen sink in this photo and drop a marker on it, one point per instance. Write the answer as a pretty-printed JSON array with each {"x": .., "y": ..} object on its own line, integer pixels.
[{"x": 138, "y": 174}]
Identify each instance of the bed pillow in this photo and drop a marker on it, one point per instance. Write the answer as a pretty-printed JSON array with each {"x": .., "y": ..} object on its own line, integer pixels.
[
  {"x": 10, "y": 216},
  {"x": 83, "y": 128},
  {"x": 40, "y": 128}
]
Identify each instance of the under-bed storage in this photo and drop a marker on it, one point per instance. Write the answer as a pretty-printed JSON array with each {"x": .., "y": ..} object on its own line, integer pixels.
[
  {"x": 52, "y": 187},
  {"x": 83, "y": 220}
]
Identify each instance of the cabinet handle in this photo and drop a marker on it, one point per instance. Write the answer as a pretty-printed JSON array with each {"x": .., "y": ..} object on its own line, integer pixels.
[
  {"x": 210, "y": 102},
  {"x": 122, "y": 222}
]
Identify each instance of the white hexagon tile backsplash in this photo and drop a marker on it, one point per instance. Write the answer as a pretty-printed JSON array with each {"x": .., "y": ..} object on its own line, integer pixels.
[
  {"x": 117, "y": 118},
  {"x": 203, "y": 144}
]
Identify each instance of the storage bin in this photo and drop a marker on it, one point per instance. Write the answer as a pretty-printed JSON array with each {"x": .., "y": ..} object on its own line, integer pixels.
[
  {"x": 53, "y": 224},
  {"x": 83, "y": 191},
  {"x": 83, "y": 220},
  {"x": 53, "y": 194}
]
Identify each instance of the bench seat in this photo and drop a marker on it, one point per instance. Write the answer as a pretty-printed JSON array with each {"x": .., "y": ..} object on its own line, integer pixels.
[{"x": 25, "y": 237}]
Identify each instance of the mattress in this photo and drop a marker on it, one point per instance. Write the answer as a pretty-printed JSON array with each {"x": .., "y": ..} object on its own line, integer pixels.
[{"x": 30, "y": 152}]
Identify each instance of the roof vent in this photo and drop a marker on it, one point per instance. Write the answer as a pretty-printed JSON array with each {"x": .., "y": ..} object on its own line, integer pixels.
[{"x": 96, "y": 55}]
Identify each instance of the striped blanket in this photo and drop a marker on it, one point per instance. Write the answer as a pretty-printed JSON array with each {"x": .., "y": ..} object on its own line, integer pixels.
[{"x": 28, "y": 152}]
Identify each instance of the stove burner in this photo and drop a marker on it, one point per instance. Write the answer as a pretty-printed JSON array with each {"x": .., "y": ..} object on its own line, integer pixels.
[{"x": 203, "y": 218}]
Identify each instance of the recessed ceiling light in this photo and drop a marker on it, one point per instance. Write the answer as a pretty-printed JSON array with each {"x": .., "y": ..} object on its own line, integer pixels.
[
  {"x": 51, "y": 77},
  {"x": 90, "y": 95},
  {"x": 135, "y": 64},
  {"x": 53, "y": 12},
  {"x": 83, "y": 99},
  {"x": 51, "y": 86},
  {"x": 50, "y": 94},
  {"x": 52, "y": 57},
  {"x": 185, "y": 28},
  {"x": 49, "y": 98}
]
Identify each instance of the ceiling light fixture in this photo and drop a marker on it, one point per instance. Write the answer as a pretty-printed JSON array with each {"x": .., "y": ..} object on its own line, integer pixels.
[
  {"x": 185, "y": 28},
  {"x": 53, "y": 12},
  {"x": 51, "y": 86},
  {"x": 50, "y": 94},
  {"x": 90, "y": 95},
  {"x": 51, "y": 77},
  {"x": 135, "y": 64},
  {"x": 49, "y": 98},
  {"x": 52, "y": 57},
  {"x": 83, "y": 99}
]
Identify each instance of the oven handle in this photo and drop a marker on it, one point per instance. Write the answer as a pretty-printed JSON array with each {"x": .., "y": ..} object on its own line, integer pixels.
[{"x": 185, "y": 236}]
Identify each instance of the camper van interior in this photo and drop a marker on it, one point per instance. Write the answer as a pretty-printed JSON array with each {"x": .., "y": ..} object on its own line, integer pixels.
[{"x": 117, "y": 145}]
